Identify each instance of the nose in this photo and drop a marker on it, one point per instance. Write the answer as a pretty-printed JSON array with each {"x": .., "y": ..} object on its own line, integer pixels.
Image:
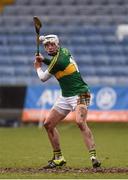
[{"x": 50, "y": 46}]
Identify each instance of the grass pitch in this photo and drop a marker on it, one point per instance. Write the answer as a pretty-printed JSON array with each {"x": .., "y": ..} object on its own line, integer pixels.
[{"x": 25, "y": 150}]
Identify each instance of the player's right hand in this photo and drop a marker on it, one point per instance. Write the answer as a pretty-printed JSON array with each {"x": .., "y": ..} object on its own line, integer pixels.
[
  {"x": 38, "y": 61},
  {"x": 39, "y": 58},
  {"x": 37, "y": 64}
]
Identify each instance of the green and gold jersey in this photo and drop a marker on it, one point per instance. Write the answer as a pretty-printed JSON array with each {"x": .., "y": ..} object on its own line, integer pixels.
[{"x": 65, "y": 69}]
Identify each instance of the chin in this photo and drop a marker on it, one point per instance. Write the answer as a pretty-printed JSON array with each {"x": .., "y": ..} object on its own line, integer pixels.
[{"x": 52, "y": 53}]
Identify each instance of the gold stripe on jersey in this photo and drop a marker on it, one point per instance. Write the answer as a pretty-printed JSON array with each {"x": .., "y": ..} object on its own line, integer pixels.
[
  {"x": 53, "y": 62},
  {"x": 67, "y": 71}
]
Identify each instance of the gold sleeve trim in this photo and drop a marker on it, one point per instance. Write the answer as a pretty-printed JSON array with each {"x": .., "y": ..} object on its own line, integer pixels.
[
  {"x": 53, "y": 62},
  {"x": 67, "y": 71}
]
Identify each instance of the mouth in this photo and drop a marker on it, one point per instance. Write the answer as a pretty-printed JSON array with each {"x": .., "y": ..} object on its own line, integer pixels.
[{"x": 52, "y": 53}]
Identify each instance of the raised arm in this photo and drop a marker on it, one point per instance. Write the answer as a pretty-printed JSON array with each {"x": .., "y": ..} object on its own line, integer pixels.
[{"x": 43, "y": 75}]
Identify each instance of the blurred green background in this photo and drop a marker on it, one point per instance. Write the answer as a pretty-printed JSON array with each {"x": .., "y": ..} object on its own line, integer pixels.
[{"x": 28, "y": 146}]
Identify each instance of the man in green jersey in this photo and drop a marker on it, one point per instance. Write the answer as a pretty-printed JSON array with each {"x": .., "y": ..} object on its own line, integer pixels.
[{"x": 75, "y": 97}]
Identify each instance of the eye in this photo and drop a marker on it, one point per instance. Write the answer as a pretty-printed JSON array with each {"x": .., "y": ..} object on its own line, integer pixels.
[{"x": 52, "y": 44}]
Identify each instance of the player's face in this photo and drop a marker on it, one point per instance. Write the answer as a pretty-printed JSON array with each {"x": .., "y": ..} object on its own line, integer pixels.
[{"x": 51, "y": 48}]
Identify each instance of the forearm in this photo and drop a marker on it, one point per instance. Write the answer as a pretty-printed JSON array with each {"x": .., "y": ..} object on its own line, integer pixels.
[{"x": 43, "y": 75}]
